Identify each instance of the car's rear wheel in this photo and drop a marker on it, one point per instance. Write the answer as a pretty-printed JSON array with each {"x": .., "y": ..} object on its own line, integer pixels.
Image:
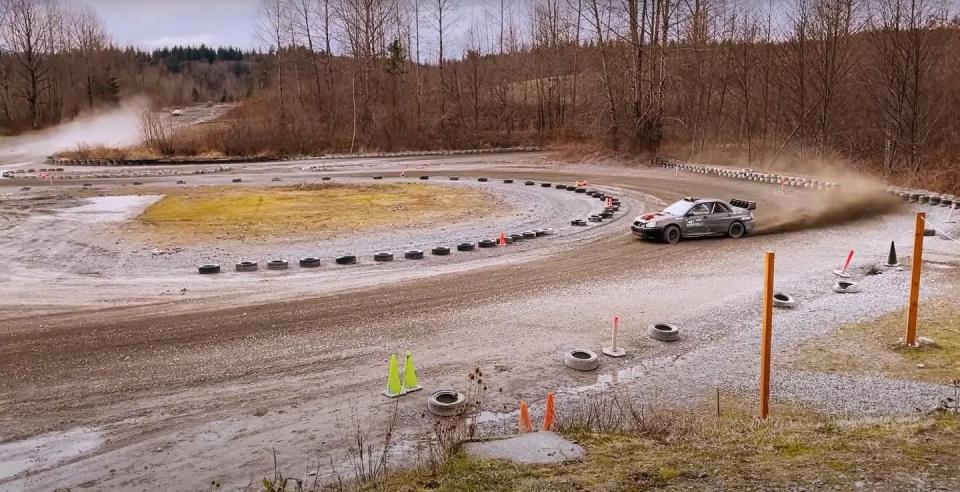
[
  {"x": 671, "y": 235},
  {"x": 736, "y": 230}
]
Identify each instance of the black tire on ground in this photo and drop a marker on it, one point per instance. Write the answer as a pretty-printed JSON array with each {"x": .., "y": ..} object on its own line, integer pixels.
[
  {"x": 137, "y": 183},
  {"x": 580, "y": 190},
  {"x": 181, "y": 182},
  {"x": 529, "y": 183},
  {"x": 595, "y": 218},
  {"x": 309, "y": 262},
  {"x": 581, "y": 360},
  {"x": 529, "y": 234},
  {"x": 277, "y": 265},
  {"x": 440, "y": 251},
  {"x": 482, "y": 180},
  {"x": 326, "y": 178},
  {"x": 578, "y": 222},
  {"x": 383, "y": 257},
  {"x": 454, "y": 178},
  {"x": 736, "y": 230},
  {"x": 424, "y": 177},
  {"x": 606, "y": 214},
  {"x": 664, "y": 332},
  {"x": 508, "y": 181},
  {"x": 487, "y": 243},
  {"x": 378, "y": 177},
  {"x": 237, "y": 180},
  {"x": 672, "y": 235},
  {"x": 516, "y": 237},
  {"x": 545, "y": 185},
  {"x": 466, "y": 247},
  {"x": 209, "y": 269},
  {"x": 247, "y": 266},
  {"x": 560, "y": 187},
  {"x": 275, "y": 179},
  {"x": 346, "y": 260},
  {"x": 413, "y": 254}
]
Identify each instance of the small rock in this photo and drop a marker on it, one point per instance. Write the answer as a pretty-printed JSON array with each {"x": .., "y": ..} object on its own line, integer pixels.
[
  {"x": 859, "y": 484},
  {"x": 921, "y": 366},
  {"x": 926, "y": 341}
]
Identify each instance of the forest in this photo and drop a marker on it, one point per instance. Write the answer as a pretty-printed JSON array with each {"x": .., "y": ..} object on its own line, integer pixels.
[{"x": 870, "y": 84}]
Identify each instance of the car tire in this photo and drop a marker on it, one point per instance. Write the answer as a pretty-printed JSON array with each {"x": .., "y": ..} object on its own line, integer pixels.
[
  {"x": 529, "y": 234},
  {"x": 309, "y": 262},
  {"x": 454, "y": 178},
  {"x": 247, "y": 266},
  {"x": 413, "y": 254},
  {"x": 578, "y": 222},
  {"x": 737, "y": 230},
  {"x": 581, "y": 360},
  {"x": 784, "y": 300},
  {"x": 487, "y": 243},
  {"x": 672, "y": 235},
  {"x": 529, "y": 183},
  {"x": 545, "y": 185},
  {"x": 383, "y": 257},
  {"x": 482, "y": 180},
  {"x": 516, "y": 237},
  {"x": 209, "y": 269},
  {"x": 466, "y": 247},
  {"x": 508, "y": 181},
  {"x": 664, "y": 332},
  {"x": 346, "y": 260},
  {"x": 277, "y": 265},
  {"x": 440, "y": 251},
  {"x": 446, "y": 403}
]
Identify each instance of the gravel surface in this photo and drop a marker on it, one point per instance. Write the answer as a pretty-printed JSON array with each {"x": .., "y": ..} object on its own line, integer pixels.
[{"x": 194, "y": 390}]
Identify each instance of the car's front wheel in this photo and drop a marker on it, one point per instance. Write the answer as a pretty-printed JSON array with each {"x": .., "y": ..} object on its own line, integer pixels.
[
  {"x": 736, "y": 230},
  {"x": 671, "y": 234}
]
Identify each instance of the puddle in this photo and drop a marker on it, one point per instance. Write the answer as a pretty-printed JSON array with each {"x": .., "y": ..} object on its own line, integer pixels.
[
  {"x": 110, "y": 208},
  {"x": 46, "y": 451}
]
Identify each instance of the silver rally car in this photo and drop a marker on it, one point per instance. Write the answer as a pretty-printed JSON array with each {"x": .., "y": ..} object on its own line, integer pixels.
[{"x": 697, "y": 217}]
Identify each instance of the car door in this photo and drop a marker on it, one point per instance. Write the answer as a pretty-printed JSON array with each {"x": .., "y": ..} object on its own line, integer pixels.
[
  {"x": 718, "y": 222},
  {"x": 695, "y": 221}
]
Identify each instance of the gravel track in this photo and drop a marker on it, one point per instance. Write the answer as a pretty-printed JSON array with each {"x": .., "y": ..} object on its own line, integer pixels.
[{"x": 178, "y": 387}]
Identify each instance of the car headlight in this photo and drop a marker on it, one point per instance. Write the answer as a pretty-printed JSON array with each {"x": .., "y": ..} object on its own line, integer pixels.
[{"x": 651, "y": 225}]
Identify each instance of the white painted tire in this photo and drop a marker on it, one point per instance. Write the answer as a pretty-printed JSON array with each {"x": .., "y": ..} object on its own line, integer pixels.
[
  {"x": 846, "y": 287},
  {"x": 783, "y": 300},
  {"x": 446, "y": 403},
  {"x": 664, "y": 332},
  {"x": 581, "y": 360}
]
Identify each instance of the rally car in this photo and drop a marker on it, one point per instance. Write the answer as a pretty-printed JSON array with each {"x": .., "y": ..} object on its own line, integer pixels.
[{"x": 697, "y": 217}]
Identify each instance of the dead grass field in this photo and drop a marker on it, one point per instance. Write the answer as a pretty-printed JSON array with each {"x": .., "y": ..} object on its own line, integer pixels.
[
  {"x": 788, "y": 452},
  {"x": 217, "y": 213},
  {"x": 876, "y": 347}
]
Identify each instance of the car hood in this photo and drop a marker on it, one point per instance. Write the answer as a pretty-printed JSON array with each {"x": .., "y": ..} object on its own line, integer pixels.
[{"x": 653, "y": 216}]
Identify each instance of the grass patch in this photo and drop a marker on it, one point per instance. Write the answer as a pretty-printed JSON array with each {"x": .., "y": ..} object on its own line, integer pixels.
[
  {"x": 217, "y": 213},
  {"x": 876, "y": 347},
  {"x": 733, "y": 453}
]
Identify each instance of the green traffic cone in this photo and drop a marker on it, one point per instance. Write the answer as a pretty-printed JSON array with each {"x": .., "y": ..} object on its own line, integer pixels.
[
  {"x": 410, "y": 375},
  {"x": 394, "y": 389},
  {"x": 892, "y": 259}
]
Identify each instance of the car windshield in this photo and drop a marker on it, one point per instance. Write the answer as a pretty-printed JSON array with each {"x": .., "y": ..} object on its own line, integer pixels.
[{"x": 679, "y": 208}]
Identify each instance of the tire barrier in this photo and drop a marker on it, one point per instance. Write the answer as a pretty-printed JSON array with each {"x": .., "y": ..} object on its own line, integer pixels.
[
  {"x": 346, "y": 260},
  {"x": 529, "y": 234},
  {"x": 440, "y": 251},
  {"x": 545, "y": 185},
  {"x": 275, "y": 179},
  {"x": 549, "y": 232},
  {"x": 664, "y": 332},
  {"x": 413, "y": 254},
  {"x": 446, "y": 403},
  {"x": 424, "y": 178},
  {"x": 378, "y": 177},
  {"x": 137, "y": 183},
  {"x": 784, "y": 300},
  {"x": 516, "y": 237},
  {"x": 578, "y": 222},
  {"x": 846, "y": 287},
  {"x": 606, "y": 214},
  {"x": 581, "y": 360},
  {"x": 487, "y": 243},
  {"x": 247, "y": 266},
  {"x": 454, "y": 178},
  {"x": 325, "y": 178},
  {"x": 466, "y": 247},
  {"x": 181, "y": 182},
  {"x": 309, "y": 262},
  {"x": 208, "y": 269},
  {"x": 237, "y": 180},
  {"x": 580, "y": 190},
  {"x": 508, "y": 181},
  {"x": 595, "y": 218},
  {"x": 383, "y": 257},
  {"x": 930, "y": 232},
  {"x": 482, "y": 180},
  {"x": 561, "y": 187},
  {"x": 277, "y": 265},
  {"x": 529, "y": 183}
]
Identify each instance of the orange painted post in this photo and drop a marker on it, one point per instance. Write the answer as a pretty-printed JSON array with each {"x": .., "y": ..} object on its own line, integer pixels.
[
  {"x": 766, "y": 336},
  {"x": 911, "y": 338},
  {"x": 549, "y": 413}
]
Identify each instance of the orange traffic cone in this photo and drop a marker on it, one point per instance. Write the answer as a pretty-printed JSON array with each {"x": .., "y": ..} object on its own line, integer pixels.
[
  {"x": 549, "y": 413},
  {"x": 525, "y": 424},
  {"x": 609, "y": 201},
  {"x": 503, "y": 240}
]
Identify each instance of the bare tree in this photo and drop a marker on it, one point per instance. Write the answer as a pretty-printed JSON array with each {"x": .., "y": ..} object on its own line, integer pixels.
[
  {"x": 26, "y": 36},
  {"x": 272, "y": 32},
  {"x": 442, "y": 12}
]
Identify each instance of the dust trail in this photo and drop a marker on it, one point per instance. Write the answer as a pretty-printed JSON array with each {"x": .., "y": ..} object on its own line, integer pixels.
[
  {"x": 857, "y": 198},
  {"x": 115, "y": 127}
]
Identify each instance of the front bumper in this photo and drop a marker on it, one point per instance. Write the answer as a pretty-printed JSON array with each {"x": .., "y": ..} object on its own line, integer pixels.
[{"x": 639, "y": 230}]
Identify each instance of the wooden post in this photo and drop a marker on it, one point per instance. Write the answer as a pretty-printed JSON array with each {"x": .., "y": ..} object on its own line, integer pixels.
[
  {"x": 766, "y": 335},
  {"x": 911, "y": 338}
]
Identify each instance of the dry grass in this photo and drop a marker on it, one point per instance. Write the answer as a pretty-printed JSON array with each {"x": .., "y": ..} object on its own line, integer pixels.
[
  {"x": 217, "y": 213},
  {"x": 735, "y": 452},
  {"x": 876, "y": 347}
]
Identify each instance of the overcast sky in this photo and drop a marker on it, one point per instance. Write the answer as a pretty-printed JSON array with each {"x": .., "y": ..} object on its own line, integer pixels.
[{"x": 153, "y": 23}]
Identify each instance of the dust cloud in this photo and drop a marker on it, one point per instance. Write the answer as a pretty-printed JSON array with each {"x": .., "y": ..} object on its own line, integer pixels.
[
  {"x": 858, "y": 197},
  {"x": 116, "y": 127}
]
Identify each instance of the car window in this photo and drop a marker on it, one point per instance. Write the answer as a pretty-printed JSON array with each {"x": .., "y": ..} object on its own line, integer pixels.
[
  {"x": 678, "y": 208},
  {"x": 719, "y": 208},
  {"x": 701, "y": 209}
]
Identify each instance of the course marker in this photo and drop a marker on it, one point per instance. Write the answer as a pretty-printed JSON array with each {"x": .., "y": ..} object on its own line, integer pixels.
[
  {"x": 394, "y": 388},
  {"x": 524, "y": 425},
  {"x": 842, "y": 272},
  {"x": 613, "y": 350},
  {"x": 549, "y": 413},
  {"x": 892, "y": 257},
  {"x": 410, "y": 383}
]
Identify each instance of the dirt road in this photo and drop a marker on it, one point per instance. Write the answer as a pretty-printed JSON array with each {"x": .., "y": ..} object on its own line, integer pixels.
[{"x": 197, "y": 391}]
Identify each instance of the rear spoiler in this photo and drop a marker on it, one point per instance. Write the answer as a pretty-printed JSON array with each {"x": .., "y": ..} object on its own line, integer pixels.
[{"x": 743, "y": 204}]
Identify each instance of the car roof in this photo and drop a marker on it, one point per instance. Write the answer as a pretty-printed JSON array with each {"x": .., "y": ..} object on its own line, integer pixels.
[{"x": 703, "y": 200}]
